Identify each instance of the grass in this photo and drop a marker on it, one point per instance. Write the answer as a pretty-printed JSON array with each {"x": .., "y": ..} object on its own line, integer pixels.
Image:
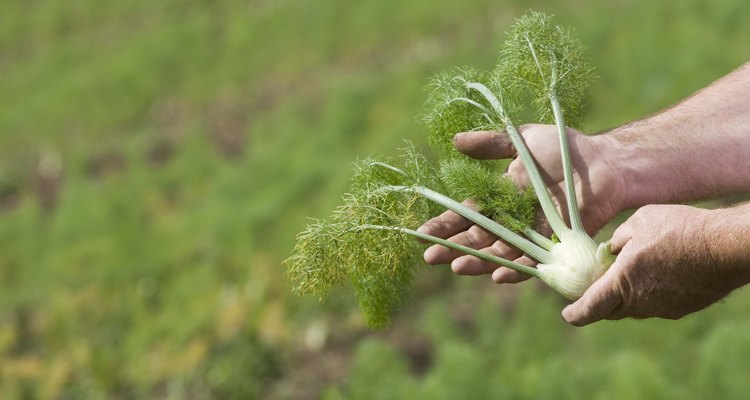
[{"x": 156, "y": 160}]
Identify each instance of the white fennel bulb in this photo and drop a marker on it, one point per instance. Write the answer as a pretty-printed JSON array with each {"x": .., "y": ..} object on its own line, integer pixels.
[{"x": 576, "y": 262}]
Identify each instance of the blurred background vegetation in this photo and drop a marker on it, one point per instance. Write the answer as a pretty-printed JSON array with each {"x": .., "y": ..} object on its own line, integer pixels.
[{"x": 158, "y": 157}]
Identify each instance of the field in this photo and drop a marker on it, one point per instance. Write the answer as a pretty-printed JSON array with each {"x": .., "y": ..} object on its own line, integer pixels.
[{"x": 158, "y": 158}]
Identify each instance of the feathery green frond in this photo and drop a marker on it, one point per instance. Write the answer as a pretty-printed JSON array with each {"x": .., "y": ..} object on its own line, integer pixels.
[
  {"x": 410, "y": 168},
  {"x": 545, "y": 59},
  {"x": 380, "y": 264},
  {"x": 317, "y": 262},
  {"x": 496, "y": 196},
  {"x": 447, "y": 116},
  {"x": 421, "y": 172},
  {"x": 383, "y": 269}
]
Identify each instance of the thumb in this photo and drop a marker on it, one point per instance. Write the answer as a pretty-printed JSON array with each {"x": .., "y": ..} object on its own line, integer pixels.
[
  {"x": 597, "y": 303},
  {"x": 484, "y": 145}
]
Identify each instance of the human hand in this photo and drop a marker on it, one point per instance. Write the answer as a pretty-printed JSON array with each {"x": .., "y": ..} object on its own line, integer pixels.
[
  {"x": 599, "y": 188},
  {"x": 668, "y": 266}
]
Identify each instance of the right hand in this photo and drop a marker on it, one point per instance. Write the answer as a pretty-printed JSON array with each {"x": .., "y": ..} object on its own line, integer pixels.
[
  {"x": 599, "y": 186},
  {"x": 672, "y": 260}
]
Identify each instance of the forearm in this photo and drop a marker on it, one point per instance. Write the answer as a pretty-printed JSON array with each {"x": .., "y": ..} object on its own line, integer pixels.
[{"x": 698, "y": 149}]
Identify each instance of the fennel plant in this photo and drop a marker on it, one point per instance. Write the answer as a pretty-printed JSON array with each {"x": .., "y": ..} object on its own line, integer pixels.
[{"x": 368, "y": 241}]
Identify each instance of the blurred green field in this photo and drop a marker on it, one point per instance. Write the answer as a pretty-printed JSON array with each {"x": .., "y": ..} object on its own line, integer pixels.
[{"x": 157, "y": 159}]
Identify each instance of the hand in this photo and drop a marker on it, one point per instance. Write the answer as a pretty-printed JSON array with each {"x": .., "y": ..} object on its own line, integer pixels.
[
  {"x": 667, "y": 266},
  {"x": 599, "y": 188}
]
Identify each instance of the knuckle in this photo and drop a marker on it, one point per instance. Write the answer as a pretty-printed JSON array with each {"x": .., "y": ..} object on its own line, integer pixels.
[
  {"x": 501, "y": 141},
  {"x": 644, "y": 212},
  {"x": 436, "y": 224},
  {"x": 441, "y": 223},
  {"x": 475, "y": 235},
  {"x": 505, "y": 251}
]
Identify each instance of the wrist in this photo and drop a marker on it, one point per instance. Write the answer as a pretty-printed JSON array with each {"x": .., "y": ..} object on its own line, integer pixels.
[
  {"x": 620, "y": 172},
  {"x": 643, "y": 162},
  {"x": 724, "y": 233}
]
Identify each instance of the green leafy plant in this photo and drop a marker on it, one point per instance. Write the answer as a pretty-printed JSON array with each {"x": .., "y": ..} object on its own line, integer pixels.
[{"x": 367, "y": 240}]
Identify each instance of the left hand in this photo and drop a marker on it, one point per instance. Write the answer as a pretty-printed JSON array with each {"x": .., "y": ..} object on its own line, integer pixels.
[{"x": 600, "y": 189}]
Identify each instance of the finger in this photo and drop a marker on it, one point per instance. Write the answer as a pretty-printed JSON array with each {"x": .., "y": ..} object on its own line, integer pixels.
[
  {"x": 621, "y": 237},
  {"x": 516, "y": 169},
  {"x": 472, "y": 265},
  {"x": 484, "y": 145},
  {"x": 598, "y": 303},
  {"x": 507, "y": 275},
  {"x": 517, "y": 173},
  {"x": 474, "y": 237},
  {"x": 446, "y": 224},
  {"x": 502, "y": 249}
]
